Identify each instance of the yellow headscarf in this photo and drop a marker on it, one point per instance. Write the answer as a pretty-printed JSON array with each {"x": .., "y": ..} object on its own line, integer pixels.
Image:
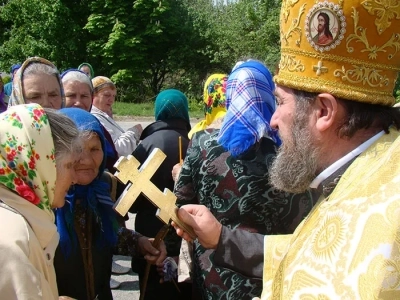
[
  {"x": 101, "y": 82},
  {"x": 214, "y": 97},
  {"x": 27, "y": 155}
]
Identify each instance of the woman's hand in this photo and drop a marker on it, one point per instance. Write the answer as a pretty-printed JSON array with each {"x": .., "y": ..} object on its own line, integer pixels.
[
  {"x": 137, "y": 130},
  {"x": 151, "y": 254},
  {"x": 176, "y": 170},
  {"x": 160, "y": 267}
]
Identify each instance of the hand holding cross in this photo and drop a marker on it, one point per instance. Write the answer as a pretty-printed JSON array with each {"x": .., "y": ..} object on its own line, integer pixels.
[{"x": 138, "y": 181}]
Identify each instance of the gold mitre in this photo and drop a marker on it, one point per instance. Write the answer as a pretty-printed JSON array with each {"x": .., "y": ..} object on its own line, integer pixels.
[{"x": 348, "y": 48}]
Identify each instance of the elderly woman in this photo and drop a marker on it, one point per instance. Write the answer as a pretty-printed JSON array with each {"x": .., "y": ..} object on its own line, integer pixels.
[
  {"x": 214, "y": 102},
  {"x": 227, "y": 170},
  {"x": 88, "y": 226},
  {"x": 87, "y": 69},
  {"x": 104, "y": 92},
  {"x": 172, "y": 122},
  {"x": 78, "y": 91},
  {"x": 37, "y": 156},
  {"x": 37, "y": 81},
  {"x": 8, "y": 86}
]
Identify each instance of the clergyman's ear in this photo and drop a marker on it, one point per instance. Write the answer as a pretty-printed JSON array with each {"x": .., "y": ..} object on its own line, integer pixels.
[{"x": 327, "y": 109}]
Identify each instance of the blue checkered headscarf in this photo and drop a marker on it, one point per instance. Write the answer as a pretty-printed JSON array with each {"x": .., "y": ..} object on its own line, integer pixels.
[{"x": 250, "y": 105}]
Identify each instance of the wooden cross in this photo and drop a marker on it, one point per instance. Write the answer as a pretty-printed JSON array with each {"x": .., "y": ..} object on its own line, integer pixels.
[
  {"x": 320, "y": 69},
  {"x": 138, "y": 181}
]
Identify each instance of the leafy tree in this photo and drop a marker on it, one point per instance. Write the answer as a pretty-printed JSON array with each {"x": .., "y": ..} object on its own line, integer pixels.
[
  {"x": 141, "y": 42},
  {"x": 238, "y": 29},
  {"x": 6, "y": 79},
  {"x": 51, "y": 29},
  {"x": 143, "y": 45}
]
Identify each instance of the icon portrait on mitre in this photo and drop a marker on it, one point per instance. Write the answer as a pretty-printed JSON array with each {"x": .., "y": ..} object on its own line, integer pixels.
[{"x": 323, "y": 27}]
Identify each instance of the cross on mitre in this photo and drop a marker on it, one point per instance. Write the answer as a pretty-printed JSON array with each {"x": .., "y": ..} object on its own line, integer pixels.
[
  {"x": 138, "y": 181},
  {"x": 320, "y": 69}
]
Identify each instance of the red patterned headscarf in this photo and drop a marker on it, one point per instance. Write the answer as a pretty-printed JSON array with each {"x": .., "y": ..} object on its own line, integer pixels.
[{"x": 27, "y": 154}]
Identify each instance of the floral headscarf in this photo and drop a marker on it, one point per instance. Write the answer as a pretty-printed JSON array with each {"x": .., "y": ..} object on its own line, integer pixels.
[
  {"x": 214, "y": 96},
  {"x": 27, "y": 155},
  {"x": 17, "y": 96}
]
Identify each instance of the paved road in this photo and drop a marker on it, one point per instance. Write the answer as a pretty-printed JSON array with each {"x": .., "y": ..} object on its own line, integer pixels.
[
  {"x": 146, "y": 121},
  {"x": 127, "y": 124},
  {"x": 129, "y": 288}
]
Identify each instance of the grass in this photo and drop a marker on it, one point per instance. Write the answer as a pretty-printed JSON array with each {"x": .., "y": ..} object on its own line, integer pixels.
[
  {"x": 133, "y": 109},
  {"x": 147, "y": 109}
]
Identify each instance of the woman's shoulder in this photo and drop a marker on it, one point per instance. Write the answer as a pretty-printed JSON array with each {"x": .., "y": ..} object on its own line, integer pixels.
[
  {"x": 18, "y": 234},
  {"x": 205, "y": 135},
  {"x": 103, "y": 118},
  {"x": 113, "y": 183}
]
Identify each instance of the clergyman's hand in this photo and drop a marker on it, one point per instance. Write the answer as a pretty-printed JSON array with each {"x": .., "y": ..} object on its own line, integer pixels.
[
  {"x": 151, "y": 254},
  {"x": 205, "y": 225}
]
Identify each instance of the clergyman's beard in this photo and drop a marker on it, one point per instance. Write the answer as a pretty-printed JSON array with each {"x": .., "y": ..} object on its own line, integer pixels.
[{"x": 295, "y": 165}]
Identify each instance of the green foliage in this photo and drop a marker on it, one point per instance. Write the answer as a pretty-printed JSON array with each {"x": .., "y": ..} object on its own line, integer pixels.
[
  {"x": 48, "y": 28},
  {"x": 147, "y": 109},
  {"x": 196, "y": 108},
  {"x": 239, "y": 30},
  {"x": 133, "y": 109},
  {"x": 6, "y": 79},
  {"x": 142, "y": 43},
  {"x": 144, "y": 46}
]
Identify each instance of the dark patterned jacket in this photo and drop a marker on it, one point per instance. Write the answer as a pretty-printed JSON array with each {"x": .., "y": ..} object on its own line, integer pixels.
[
  {"x": 237, "y": 192},
  {"x": 163, "y": 135}
]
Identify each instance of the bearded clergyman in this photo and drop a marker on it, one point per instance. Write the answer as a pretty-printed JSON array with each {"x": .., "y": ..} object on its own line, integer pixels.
[{"x": 340, "y": 138}]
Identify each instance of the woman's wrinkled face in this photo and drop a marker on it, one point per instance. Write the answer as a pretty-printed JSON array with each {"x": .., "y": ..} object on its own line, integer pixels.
[
  {"x": 104, "y": 99},
  {"x": 66, "y": 176},
  {"x": 87, "y": 168},
  {"x": 42, "y": 89},
  {"x": 77, "y": 94}
]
